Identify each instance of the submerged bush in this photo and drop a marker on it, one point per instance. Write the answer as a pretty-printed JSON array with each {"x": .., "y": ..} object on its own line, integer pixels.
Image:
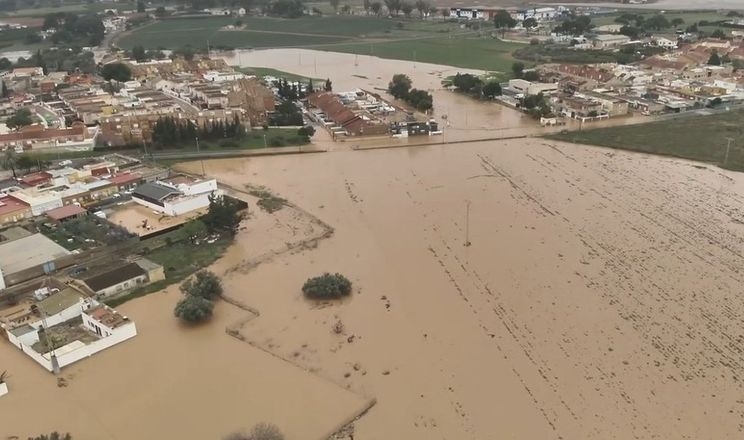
[{"x": 327, "y": 286}]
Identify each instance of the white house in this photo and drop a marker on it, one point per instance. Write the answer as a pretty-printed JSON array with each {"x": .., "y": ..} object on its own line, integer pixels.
[
  {"x": 609, "y": 41},
  {"x": 532, "y": 88},
  {"x": 116, "y": 280},
  {"x": 665, "y": 43},
  {"x": 215, "y": 76},
  {"x": 103, "y": 327},
  {"x": 176, "y": 195}
]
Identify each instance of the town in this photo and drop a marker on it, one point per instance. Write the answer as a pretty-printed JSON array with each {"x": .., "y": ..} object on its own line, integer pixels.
[{"x": 383, "y": 211}]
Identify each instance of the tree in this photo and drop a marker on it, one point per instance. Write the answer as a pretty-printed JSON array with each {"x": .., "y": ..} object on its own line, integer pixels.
[
  {"x": 266, "y": 431},
  {"x": 407, "y": 8},
  {"x": 466, "y": 83},
  {"x": 714, "y": 59},
  {"x": 400, "y": 85},
  {"x": 327, "y": 286},
  {"x": 4, "y": 92},
  {"x": 25, "y": 162},
  {"x": 346, "y": 9},
  {"x": 657, "y": 22},
  {"x": 205, "y": 284},
  {"x": 192, "y": 231},
  {"x": 677, "y": 22},
  {"x": 531, "y": 75},
  {"x": 376, "y": 8},
  {"x": 719, "y": 34},
  {"x": 160, "y": 11},
  {"x": 261, "y": 431},
  {"x": 21, "y": 118},
  {"x": 367, "y": 5},
  {"x": 530, "y": 23},
  {"x": 117, "y": 72},
  {"x": 53, "y": 436},
  {"x": 193, "y": 309},
  {"x": 492, "y": 89},
  {"x": 518, "y": 69},
  {"x": 306, "y": 132},
  {"x": 630, "y": 31},
  {"x": 423, "y": 8},
  {"x": 5, "y": 64},
  {"x": 421, "y": 99},
  {"x": 328, "y": 87},
  {"x": 393, "y": 6},
  {"x": 334, "y": 4},
  {"x": 140, "y": 6},
  {"x": 139, "y": 54},
  {"x": 224, "y": 215},
  {"x": 575, "y": 26},
  {"x": 502, "y": 20},
  {"x": 9, "y": 161}
]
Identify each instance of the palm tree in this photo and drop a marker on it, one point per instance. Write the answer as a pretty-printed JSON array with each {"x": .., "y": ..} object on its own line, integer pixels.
[
  {"x": 3, "y": 376},
  {"x": 9, "y": 160}
]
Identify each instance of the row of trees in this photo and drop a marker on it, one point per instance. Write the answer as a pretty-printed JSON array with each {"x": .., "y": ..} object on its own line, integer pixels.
[
  {"x": 474, "y": 86},
  {"x": 286, "y": 114},
  {"x": 71, "y": 28},
  {"x": 172, "y": 132},
  {"x": 400, "y": 88}
]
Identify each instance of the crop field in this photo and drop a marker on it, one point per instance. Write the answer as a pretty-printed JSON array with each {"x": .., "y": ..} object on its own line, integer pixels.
[
  {"x": 703, "y": 139},
  {"x": 257, "y": 32},
  {"x": 475, "y": 53}
]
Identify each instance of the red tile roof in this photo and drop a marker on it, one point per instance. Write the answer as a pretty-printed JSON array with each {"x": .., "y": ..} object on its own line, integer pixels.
[
  {"x": 64, "y": 212},
  {"x": 125, "y": 178},
  {"x": 9, "y": 204},
  {"x": 34, "y": 179}
]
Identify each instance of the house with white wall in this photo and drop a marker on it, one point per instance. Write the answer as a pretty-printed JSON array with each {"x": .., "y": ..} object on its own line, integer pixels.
[
  {"x": 116, "y": 280},
  {"x": 176, "y": 195},
  {"x": 100, "y": 327}
]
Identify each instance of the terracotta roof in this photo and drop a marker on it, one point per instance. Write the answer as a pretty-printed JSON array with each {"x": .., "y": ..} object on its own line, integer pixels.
[
  {"x": 10, "y": 204},
  {"x": 37, "y": 131},
  {"x": 124, "y": 178},
  {"x": 64, "y": 212},
  {"x": 34, "y": 179}
]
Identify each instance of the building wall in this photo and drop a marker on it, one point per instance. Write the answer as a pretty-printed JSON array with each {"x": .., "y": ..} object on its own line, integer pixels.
[
  {"x": 116, "y": 336},
  {"x": 16, "y": 216},
  {"x": 3, "y": 389},
  {"x": 182, "y": 206},
  {"x": 126, "y": 285}
]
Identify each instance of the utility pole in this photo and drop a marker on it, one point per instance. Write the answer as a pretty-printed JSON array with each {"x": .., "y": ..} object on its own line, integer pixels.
[
  {"x": 198, "y": 152},
  {"x": 728, "y": 148},
  {"x": 467, "y": 223}
]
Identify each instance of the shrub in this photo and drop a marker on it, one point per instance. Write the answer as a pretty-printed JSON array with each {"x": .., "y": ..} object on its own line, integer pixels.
[
  {"x": 194, "y": 309},
  {"x": 327, "y": 286},
  {"x": 205, "y": 284}
]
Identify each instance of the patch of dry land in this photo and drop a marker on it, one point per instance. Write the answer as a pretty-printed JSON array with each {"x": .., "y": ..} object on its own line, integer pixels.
[{"x": 599, "y": 299}]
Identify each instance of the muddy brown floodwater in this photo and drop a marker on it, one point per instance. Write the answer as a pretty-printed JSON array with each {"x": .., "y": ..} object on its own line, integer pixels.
[{"x": 599, "y": 299}]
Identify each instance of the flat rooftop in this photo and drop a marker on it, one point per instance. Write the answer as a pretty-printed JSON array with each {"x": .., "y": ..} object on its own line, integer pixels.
[
  {"x": 59, "y": 301},
  {"x": 132, "y": 216},
  {"x": 107, "y": 316},
  {"x": 27, "y": 252}
]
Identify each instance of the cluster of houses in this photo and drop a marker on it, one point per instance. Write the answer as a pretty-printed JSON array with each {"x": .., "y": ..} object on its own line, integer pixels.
[
  {"x": 674, "y": 81},
  {"x": 363, "y": 113},
  {"x": 77, "y": 111},
  {"x": 542, "y": 14}
]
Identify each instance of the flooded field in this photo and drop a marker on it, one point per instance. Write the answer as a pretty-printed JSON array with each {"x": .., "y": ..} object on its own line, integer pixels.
[{"x": 599, "y": 298}]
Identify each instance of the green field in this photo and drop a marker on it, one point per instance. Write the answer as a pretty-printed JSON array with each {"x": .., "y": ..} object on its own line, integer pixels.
[
  {"x": 415, "y": 40},
  {"x": 258, "y": 32},
  {"x": 475, "y": 53},
  {"x": 701, "y": 138}
]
